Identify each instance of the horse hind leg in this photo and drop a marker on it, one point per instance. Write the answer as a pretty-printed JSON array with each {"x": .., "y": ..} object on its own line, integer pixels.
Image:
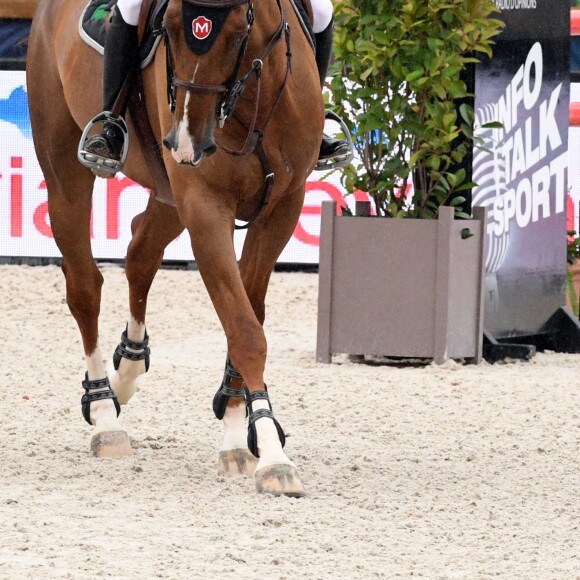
[{"x": 152, "y": 231}]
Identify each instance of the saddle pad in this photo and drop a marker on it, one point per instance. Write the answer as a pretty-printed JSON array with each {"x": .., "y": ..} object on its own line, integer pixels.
[{"x": 93, "y": 29}]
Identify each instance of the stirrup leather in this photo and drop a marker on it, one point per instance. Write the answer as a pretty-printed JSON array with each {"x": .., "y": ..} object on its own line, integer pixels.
[
  {"x": 122, "y": 352},
  {"x": 225, "y": 391},
  {"x": 89, "y": 397},
  {"x": 339, "y": 160},
  {"x": 101, "y": 166},
  {"x": 258, "y": 414}
]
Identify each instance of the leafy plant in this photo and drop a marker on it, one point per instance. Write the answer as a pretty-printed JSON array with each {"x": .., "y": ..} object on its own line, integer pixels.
[
  {"x": 573, "y": 247},
  {"x": 398, "y": 84}
]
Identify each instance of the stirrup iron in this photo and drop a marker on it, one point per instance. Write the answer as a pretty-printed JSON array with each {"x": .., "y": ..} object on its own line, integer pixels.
[
  {"x": 101, "y": 166},
  {"x": 339, "y": 160}
]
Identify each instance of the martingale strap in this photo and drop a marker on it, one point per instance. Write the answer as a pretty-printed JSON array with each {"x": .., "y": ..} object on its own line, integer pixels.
[
  {"x": 121, "y": 351},
  {"x": 259, "y": 414},
  {"x": 267, "y": 185},
  {"x": 104, "y": 392},
  {"x": 225, "y": 391}
]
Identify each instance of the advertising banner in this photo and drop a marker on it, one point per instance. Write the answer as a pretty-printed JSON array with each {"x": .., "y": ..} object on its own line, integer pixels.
[
  {"x": 25, "y": 224},
  {"x": 522, "y": 171}
]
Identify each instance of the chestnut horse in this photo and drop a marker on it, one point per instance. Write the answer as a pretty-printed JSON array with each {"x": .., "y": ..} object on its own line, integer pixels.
[{"x": 212, "y": 186}]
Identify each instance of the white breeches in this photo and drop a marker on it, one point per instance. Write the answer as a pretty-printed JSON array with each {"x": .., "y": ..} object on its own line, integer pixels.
[
  {"x": 129, "y": 10},
  {"x": 321, "y": 9},
  {"x": 322, "y": 14}
]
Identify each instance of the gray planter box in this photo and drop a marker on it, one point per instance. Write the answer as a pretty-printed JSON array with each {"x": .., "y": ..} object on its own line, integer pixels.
[{"x": 401, "y": 288}]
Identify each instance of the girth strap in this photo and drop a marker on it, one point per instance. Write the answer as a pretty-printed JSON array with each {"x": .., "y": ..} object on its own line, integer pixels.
[
  {"x": 268, "y": 181},
  {"x": 149, "y": 145},
  {"x": 104, "y": 392}
]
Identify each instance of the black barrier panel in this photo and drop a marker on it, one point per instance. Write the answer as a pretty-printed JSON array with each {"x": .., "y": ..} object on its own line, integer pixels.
[
  {"x": 14, "y": 39},
  {"x": 522, "y": 178}
]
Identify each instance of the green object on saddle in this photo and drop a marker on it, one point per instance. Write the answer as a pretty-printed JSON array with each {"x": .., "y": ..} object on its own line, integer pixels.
[{"x": 101, "y": 13}]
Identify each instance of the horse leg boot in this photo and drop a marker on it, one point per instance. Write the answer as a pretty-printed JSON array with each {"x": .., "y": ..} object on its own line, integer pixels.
[
  {"x": 229, "y": 406},
  {"x": 330, "y": 149},
  {"x": 152, "y": 231},
  {"x": 121, "y": 49}
]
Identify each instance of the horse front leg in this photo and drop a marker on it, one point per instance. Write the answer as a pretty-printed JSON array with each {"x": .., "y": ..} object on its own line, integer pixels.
[
  {"x": 243, "y": 392},
  {"x": 152, "y": 231},
  {"x": 70, "y": 218},
  {"x": 69, "y": 187},
  {"x": 229, "y": 405}
]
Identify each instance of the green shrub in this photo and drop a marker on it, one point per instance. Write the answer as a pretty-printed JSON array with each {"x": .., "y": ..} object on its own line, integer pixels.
[{"x": 397, "y": 83}]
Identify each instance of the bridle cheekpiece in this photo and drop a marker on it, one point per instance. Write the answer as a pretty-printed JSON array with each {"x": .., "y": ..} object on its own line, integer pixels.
[{"x": 233, "y": 87}]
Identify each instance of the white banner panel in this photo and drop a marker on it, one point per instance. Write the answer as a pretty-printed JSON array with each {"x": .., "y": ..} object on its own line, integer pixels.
[{"x": 25, "y": 225}]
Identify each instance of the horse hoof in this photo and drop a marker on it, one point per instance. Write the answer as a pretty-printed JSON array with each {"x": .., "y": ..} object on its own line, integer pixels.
[
  {"x": 111, "y": 444},
  {"x": 237, "y": 462},
  {"x": 279, "y": 480}
]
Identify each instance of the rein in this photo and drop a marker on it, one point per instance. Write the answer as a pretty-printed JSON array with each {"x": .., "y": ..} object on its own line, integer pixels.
[{"x": 233, "y": 89}]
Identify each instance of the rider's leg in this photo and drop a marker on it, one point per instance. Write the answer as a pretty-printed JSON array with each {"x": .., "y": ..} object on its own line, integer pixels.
[
  {"x": 323, "y": 27},
  {"x": 121, "y": 47}
]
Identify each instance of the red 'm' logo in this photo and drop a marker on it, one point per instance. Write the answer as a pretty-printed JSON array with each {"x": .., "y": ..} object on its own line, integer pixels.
[{"x": 201, "y": 27}]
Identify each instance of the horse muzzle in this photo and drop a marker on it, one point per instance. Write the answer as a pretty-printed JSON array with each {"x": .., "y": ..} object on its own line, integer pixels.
[{"x": 185, "y": 152}]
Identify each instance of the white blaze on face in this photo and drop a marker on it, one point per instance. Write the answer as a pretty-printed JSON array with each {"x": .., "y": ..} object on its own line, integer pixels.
[{"x": 184, "y": 152}]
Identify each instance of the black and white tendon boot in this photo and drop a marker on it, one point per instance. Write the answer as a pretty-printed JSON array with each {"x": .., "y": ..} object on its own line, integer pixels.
[
  {"x": 275, "y": 473},
  {"x": 106, "y": 152},
  {"x": 234, "y": 457},
  {"x": 101, "y": 408},
  {"x": 131, "y": 359}
]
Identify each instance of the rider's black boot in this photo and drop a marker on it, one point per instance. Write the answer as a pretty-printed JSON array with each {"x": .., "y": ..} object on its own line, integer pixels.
[
  {"x": 329, "y": 148},
  {"x": 121, "y": 48}
]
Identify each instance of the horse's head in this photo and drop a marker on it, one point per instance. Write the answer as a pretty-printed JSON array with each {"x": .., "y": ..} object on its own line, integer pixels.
[{"x": 206, "y": 44}]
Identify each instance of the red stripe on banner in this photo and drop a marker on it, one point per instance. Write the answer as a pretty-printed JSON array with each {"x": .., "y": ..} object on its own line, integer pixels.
[
  {"x": 575, "y": 22},
  {"x": 575, "y": 114},
  {"x": 16, "y": 198}
]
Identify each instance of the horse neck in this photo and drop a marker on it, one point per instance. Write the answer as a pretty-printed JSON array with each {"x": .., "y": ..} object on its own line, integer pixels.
[{"x": 267, "y": 20}]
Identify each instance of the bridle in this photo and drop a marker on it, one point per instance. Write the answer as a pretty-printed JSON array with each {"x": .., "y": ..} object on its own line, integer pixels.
[{"x": 234, "y": 87}]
